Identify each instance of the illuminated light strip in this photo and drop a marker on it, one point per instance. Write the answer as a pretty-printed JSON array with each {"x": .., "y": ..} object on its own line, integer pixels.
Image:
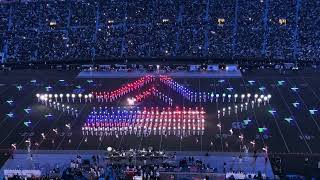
[
  {"x": 123, "y": 90},
  {"x": 185, "y": 92},
  {"x": 153, "y": 91},
  {"x": 256, "y": 101},
  {"x": 54, "y": 103},
  {"x": 82, "y": 98}
]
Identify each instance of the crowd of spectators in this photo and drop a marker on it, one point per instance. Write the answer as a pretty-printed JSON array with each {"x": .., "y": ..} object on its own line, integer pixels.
[{"x": 90, "y": 29}]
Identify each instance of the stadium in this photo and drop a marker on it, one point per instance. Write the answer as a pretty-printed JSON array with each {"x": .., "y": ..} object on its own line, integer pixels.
[{"x": 159, "y": 89}]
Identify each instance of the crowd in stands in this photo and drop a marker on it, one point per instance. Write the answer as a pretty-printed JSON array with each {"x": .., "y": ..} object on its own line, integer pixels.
[{"x": 32, "y": 30}]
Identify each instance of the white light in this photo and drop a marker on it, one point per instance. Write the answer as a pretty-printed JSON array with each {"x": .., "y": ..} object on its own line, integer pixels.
[
  {"x": 236, "y": 95},
  {"x": 37, "y": 95},
  {"x": 90, "y": 95},
  {"x": 80, "y": 95},
  {"x": 50, "y": 95},
  {"x": 269, "y": 96},
  {"x": 73, "y": 95},
  {"x": 256, "y": 96},
  {"x": 85, "y": 96},
  {"x": 109, "y": 149},
  {"x": 42, "y": 97},
  {"x": 55, "y": 95},
  {"x": 68, "y": 95},
  {"x": 248, "y": 95},
  {"x": 131, "y": 101},
  {"x": 61, "y": 95}
]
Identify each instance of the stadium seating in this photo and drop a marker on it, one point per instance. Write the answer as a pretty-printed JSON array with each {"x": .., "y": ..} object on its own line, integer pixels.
[{"x": 90, "y": 29}]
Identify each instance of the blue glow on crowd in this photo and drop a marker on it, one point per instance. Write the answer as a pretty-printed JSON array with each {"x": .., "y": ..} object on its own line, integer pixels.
[{"x": 91, "y": 29}]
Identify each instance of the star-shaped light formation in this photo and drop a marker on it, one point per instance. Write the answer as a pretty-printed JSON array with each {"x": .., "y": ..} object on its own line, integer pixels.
[
  {"x": 296, "y": 104},
  {"x": 27, "y": 123},
  {"x": 295, "y": 89},
  {"x": 162, "y": 121},
  {"x": 10, "y": 102},
  {"x": 10, "y": 115},
  {"x": 288, "y": 119},
  {"x": 313, "y": 111},
  {"x": 230, "y": 89},
  {"x": 262, "y": 88},
  {"x": 246, "y": 121},
  {"x": 272, "y": 111},
  {"x": 19, "y": 87},
  {"x": 281, "y": 82},
  {"x": 262, "y": 130},
  {"x": 27, "y": 110},
  {"x": 48, "y": 115},
  {"x": 48, "y": 88},
  {"x": 251, "y": 82}
]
